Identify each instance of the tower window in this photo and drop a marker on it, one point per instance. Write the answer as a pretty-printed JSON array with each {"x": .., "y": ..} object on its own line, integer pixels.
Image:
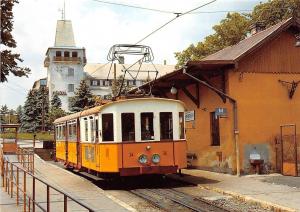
[
  {"x": 71, "y": 72},
  {"x": 58, "y": 53},
  {"x": 74, "y": 54},
  {"x": 70, "y": 87},
  {"x": 66, "y": 54}
]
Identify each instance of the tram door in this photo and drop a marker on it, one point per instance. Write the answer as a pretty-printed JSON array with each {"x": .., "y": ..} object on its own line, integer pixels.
[{"x": 78, "y": 146}]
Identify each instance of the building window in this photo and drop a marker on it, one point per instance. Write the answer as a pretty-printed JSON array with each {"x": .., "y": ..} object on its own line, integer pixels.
[
  {"x": 181, "y": 125},
  {"x": 166, "y": 125},
  {"x": 214, "y": 129},
  {"x": 58, "y": 53},
  {"x": 70, "y": 87},
  {"x": 94, "y": 82},
  {"x": 105, "y": 82},
  {"x": 71, "y": 72},
  {"x": 147, "y": 132},
  {"x": 66, "y": 54},
  {"x": 128, "y": 129},
  {"x": 74, "y": 54},
  {"x": 107, "y": 127}
]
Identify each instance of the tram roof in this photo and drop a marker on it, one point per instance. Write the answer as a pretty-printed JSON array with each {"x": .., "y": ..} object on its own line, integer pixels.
[{"x": 97, "y": 109}]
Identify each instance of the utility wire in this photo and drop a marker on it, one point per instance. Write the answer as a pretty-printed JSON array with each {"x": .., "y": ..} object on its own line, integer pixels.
[
  {"x": 133, "y": 6},
  {"x": 166, "y": 11},
  {"x": 173, "y": 19}
]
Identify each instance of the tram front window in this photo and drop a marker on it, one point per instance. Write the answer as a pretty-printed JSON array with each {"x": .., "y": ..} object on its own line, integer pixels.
[
  {"x": 166, "y": 125},
  {"x": 147, "y": 132},
  {"x": 128, "y": 133},
  {"x": 107, "y": 127}
]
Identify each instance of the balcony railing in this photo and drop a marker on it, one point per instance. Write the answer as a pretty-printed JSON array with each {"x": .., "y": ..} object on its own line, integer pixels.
[{"x": 67, "y": 59}]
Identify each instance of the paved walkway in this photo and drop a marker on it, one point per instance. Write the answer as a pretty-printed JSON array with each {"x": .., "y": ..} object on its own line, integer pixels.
[
  {"x": 258, "y": 188},
  {"x": 78, "y": 187}
]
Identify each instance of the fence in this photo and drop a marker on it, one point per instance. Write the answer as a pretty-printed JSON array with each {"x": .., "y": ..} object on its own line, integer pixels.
[{"x": 18, "y": 177}]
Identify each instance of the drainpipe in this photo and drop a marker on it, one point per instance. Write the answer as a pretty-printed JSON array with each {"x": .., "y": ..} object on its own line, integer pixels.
[{"x": 235, "y": 118}]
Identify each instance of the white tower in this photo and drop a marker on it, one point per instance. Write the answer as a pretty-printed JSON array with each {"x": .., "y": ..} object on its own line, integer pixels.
[{"x": 64, "y": 62}]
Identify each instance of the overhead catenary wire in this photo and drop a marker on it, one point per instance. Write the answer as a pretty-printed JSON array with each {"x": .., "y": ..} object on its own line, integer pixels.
[
  {"x": 173, "y": 19},
  {"x": 166, "y": 11}
]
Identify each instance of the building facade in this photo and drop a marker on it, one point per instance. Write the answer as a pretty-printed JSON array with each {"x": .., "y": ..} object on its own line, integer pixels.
[{"x": 241, "y": 96}]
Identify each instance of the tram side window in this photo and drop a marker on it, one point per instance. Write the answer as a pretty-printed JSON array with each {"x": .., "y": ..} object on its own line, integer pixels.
[
  {"x": 166, "y": 125},
  {"x": 92, "y": 129},
  {"x": 57, "y": 133},
  {"x": 63, "y": 132},
  {"x": 181, "y": 125},
  {"x": 86, "y": 130},
  {"x": 97, "y": 130},
  {"x": 147, "y": 132},
  {"x": 107, "y": 127},
  {"x": 128, "y": 129},
  {"x": 72, "y": 131}
]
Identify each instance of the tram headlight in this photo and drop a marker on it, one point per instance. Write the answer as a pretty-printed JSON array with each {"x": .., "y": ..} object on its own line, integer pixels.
[
  {"x": 143, "y": 159},
  {"x": 155, "y": 158}
]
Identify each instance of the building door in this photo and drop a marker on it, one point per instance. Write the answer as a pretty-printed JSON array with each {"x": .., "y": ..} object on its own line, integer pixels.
[
  {"x": 214, "y": 129},
  {"x": 290, "y": 151}
]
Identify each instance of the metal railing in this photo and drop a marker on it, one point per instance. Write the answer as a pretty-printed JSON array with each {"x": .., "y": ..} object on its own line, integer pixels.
[{"x": 15, "y": 181}]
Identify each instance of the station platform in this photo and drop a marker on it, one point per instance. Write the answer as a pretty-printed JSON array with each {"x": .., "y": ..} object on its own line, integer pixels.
[
  {"x": 78, "y": 187},
  {"x": 281, "y": 193}
]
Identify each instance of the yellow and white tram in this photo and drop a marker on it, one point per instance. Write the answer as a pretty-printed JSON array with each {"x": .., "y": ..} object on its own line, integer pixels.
[{"x": 125, "y": 137}]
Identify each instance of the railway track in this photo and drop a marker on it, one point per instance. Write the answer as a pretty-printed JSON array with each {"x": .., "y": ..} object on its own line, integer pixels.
[{"x": 173, "y": 200}]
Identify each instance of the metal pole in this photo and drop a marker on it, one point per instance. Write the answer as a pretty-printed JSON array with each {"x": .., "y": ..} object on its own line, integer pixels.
[
  {"x": 24, "y": 192},
  {"x": 6, "y": 178},
  {"x": 17, "y": 185},
  {"x": 281, "y": 141},
  {"x": 48, "y": 198},
  {"x": 11, "y": 181},
  {"x": 33, "y": 194},
  {"x": 65, "y": 203}
]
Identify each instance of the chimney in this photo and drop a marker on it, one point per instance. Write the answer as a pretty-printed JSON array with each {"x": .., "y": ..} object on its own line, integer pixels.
[
  {"x": 165, "y": 62},
  {"x": 121, "y": 60},
  {"x": 257, "y": 27}
]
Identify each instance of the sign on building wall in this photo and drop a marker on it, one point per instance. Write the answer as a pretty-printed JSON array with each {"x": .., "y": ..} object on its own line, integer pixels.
[
  {"x": 221, "y": 112},
  {"x": 60, "y": 93},
  {"x": 190, "y": 115}
]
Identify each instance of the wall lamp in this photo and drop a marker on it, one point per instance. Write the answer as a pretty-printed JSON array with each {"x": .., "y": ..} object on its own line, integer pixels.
[{"x": 173, "y": 90}]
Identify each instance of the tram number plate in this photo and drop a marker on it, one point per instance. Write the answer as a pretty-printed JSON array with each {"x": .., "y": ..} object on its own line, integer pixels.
[{"x": 190, "y": 115}]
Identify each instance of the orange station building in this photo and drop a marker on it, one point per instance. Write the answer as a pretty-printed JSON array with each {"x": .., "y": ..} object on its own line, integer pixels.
[{"x": 240, "y": 97}]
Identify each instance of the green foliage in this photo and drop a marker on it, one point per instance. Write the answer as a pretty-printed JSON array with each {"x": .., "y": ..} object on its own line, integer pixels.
[
  {"x": 28, "y": 136},
  {"x": 117, "y": 86},
  {"x": 55, "y": 101},
  {"x": 35, "y": 111},
  {"x": 230, "y": 31},
  {"x": 19, "y": 113},
  {"x": 55, "y": 113},
  {"x": 275, "y": 11},
  {"x": 83, "y": 98},
  {"x": 9, "y": 60},
  {"x": 4, "y": 109}
]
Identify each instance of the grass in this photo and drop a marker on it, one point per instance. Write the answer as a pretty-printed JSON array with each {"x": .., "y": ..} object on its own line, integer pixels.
[{"x": 29, "y": 136}]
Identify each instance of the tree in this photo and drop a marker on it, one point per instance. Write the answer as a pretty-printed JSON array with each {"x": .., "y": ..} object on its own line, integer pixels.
[
  {"x": 230, "y": 31},
  {"x": 275, "y": 11},
  {"x": 83, "y": 98},
  {"x": 9, "y": 60},
  {"x": 55, "y": 111},
  {"x": 19, "y": 113},
  {"x": 42, "y": 108},
  {"x": 117, "y": 86},
  {"x": 28, "y": 118},
  {"x": 4, "y": 109},
  {"x": 55, "y": 101}
]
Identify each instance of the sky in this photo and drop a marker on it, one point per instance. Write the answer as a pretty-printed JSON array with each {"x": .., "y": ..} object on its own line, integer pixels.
[{"x": 98, "y": 26}]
